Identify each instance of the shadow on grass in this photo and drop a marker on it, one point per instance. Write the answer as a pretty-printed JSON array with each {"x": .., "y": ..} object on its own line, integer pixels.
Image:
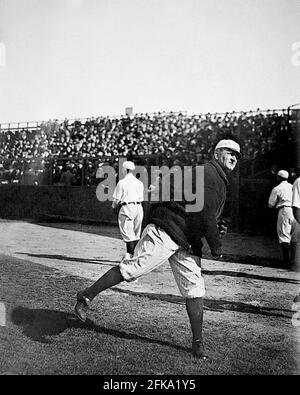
[
  {"x": 72, "y": 259},
  {"x": 213, "y": 304},
  {"x": 254, "y": 260},
  {"x": 93, "y": 227},
  {"x": 252, "y": 276},
  {"x": 208, "y": 272},
  {"x": 39, "y": 324}
]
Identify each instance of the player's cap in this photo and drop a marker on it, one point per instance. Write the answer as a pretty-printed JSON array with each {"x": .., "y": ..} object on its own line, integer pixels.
[
  {"x": 229, "y": 144},
  {"x": 128, "y": 165},
  {"x": 283, "y": 174}
]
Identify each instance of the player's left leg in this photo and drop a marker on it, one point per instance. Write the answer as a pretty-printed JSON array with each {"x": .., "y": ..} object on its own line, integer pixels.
[
  {"x": 130, "y": 245},
  {"x": 286, "y": 254},
  {"x": 154, "y": 247}
]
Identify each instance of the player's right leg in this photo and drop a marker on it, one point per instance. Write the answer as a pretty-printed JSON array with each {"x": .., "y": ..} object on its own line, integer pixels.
[
  {"x": 126, "y": 226},
  {"x": 187, "y": 272},
  {"x": 137, "y": 224},
  {"x": 109, "y": 279},
  {"x": 154, "y": 247}
]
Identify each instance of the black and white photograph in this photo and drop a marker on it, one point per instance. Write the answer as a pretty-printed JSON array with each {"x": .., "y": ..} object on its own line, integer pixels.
[{"x": 149, "y": 191}]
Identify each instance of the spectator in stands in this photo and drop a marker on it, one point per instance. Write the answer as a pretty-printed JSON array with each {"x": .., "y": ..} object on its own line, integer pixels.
[
  {"x": 44, "y": 175},
  {"x": 29, "y": 176},
  {"x": 67, "y": 177},
  {"x": 57, "y": 172}
]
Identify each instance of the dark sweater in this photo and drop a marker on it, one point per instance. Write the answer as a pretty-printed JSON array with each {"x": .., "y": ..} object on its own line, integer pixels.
[
  {"x": 187, "y": 229},
  {"x": 204, "y": 223},
  {"x": 171, "y": 217}
]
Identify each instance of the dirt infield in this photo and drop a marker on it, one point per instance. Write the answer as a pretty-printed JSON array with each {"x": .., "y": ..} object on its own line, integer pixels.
[{"x": 248, "y": 307}]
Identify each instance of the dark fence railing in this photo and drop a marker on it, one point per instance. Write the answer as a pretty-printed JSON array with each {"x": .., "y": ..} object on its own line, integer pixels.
[
  {"x": 29, "y": 125},
  {"x": 57, "y": 170}
]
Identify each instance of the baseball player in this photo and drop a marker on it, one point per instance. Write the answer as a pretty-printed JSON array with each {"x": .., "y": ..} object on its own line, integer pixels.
[
  {"x": 281, "y": 199},
  {"x": 295, "y": 241},
  {"x": 173, "y": 234},
  {"x": 128, "y": 195}
]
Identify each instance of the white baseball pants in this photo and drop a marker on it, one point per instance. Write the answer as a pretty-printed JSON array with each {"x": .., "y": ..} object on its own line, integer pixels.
[
  {"x": 130, "y": 221},
  {"x": 152, "y": 250},
  {"x": 284, "y": 224}
]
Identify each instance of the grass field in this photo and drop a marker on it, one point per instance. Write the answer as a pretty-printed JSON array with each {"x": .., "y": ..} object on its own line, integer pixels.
[{"x": 137, "y": 330}]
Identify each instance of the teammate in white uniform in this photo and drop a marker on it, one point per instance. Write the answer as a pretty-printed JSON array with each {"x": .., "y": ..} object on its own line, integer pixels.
[
  {"x": 281, "y": 199},
  {"x": 295, "y": 243},
  {"x": 129, "y": 193}
]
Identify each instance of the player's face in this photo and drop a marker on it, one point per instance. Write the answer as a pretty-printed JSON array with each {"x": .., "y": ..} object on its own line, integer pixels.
[{"x": 227, "y": 158}]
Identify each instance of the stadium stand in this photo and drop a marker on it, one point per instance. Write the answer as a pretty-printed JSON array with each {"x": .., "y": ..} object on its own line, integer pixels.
[
  {"x": 49, "y": 169},
  {"x": 41, "y": 154}
]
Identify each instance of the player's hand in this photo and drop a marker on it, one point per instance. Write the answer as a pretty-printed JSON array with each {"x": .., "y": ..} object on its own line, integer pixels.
[{"x": 222, "y": 228}]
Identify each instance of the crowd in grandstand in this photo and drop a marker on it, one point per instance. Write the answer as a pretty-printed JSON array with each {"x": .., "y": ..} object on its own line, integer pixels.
[{"x": 28, "y": 155}]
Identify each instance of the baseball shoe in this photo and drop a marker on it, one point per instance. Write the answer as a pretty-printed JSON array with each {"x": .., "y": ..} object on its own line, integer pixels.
[
  {"x": 198, "y": 350},
  {"x": 81, "y": 306}
]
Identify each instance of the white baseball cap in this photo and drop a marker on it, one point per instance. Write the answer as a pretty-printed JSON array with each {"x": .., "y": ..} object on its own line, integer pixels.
[
  {"x": 229, "y": 144},
  {"x": 283, "y": 174},
  {"x": 128, "y": 165}
]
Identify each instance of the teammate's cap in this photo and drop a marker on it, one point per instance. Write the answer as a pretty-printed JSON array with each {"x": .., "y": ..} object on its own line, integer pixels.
[
  {"x": 128, "y": 165},
  {"x": 283, "y": 174},
  {"x": 230, "y": 144}
]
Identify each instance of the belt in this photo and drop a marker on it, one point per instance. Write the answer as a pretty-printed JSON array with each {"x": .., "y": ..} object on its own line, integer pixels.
[
  {"x": 283, "y": 207},
  {"x": 123, "y": 204}
]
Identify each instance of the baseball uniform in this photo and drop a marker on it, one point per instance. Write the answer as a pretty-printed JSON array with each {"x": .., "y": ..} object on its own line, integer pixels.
[
  {"x": 281, "y": 198},
  {"x": 130, "y": 194},
  {"x": 174, "y": 234},
  {"x": 296, "y": 224}
]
